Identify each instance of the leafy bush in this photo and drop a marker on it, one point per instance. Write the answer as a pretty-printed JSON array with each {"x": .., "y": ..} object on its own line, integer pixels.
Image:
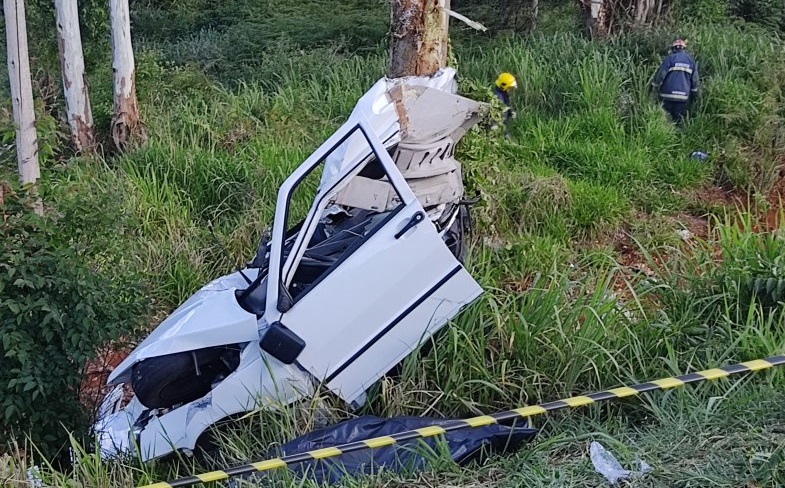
[
  {"x": 56, "y": 309},
  {"x": 725, "y": 297},
  {"x": 768, "y": 13},
  {"x": 705, "y": 10}
]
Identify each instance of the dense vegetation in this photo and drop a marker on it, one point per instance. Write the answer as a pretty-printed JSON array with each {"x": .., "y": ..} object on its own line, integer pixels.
[{"x": 589, "y": 283}]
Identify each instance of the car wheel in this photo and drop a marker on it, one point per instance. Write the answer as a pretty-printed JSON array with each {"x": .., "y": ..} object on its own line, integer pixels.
[
  {"x": 455, "y": 237},
  {"x": 173, "y": 379}
]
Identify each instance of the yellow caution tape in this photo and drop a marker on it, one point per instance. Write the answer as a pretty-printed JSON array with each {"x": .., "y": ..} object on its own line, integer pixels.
[{"x": 483, "y": 420}]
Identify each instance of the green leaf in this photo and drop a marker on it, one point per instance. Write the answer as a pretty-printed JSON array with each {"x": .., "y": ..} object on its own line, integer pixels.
[
  {"x": 12, "y": 306},
  {"x": 771, "y": 284}
]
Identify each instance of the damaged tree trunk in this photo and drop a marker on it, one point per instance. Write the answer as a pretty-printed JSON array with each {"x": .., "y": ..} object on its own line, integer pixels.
[
  {"x": 126, "y": 126},
  {"x": 595, "y": 15},
  {"x": 77, "y": 99},
  {"x": 420, "y": 37},
  {"x": 21, "y": 91}
]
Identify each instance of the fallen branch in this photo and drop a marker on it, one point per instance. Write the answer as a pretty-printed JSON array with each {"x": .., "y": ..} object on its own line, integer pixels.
[{"x": 471, "y": 23}]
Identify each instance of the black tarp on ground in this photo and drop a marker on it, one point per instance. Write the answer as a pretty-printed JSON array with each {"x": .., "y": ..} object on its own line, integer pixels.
[{"x": 464, "y": 446}]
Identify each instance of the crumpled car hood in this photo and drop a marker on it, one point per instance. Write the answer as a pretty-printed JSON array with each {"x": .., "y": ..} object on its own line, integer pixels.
[{"x": 211, "y": 317}]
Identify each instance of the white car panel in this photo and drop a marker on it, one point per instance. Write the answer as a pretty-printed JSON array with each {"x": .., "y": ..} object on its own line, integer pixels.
[
  {"x": 260, "y": 381},
  {"x": 212, "y": 318},
  {"x": 387, "y": 281}
]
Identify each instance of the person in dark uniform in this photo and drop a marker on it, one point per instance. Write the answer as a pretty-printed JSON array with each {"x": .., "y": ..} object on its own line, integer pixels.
[
  {"x": 504, "y": 84},
  {"x": 677, "y": 81}
]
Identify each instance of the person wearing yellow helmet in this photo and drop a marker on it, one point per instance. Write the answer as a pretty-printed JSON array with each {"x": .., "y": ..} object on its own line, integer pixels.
[{"x": 504, "y": 84}]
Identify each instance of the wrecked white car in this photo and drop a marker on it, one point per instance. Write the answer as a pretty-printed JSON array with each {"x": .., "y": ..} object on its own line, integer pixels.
[{"x": 341, "y": 292}]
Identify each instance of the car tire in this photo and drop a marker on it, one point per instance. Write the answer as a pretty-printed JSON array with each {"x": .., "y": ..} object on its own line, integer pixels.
[
  {"x": 165, "y": 381},
  {"x": 455, "y": 237}
]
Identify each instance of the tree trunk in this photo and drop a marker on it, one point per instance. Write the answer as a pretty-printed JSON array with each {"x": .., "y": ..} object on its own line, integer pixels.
[
  {"x": 77, "y": 99},
  {"x": 647, "y": 11},
  {"x": 126, "y": 125},
  {"x": 21, "y": 91},
  {"x": 595, "y": 18},
  {"x": 534, "y": 13},
  {"x": 420, "y": 37}
]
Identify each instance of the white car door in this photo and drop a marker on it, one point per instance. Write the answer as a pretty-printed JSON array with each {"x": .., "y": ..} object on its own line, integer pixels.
[{"x": 395, "y": 285}]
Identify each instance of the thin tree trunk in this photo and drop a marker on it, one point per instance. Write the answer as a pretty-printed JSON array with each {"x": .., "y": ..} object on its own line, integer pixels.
[
  {"x": 640, "y": 12},
  {"x": 21, "y": 91},
  {"x": 645, "y": 12},
  {"x": 595, "y": 18},
  {"x": 77, "y": 99},
  {"x": 534, "y": 15},
  {"x": 126, "y": 125},
  {"x": 420, "y": 38}
]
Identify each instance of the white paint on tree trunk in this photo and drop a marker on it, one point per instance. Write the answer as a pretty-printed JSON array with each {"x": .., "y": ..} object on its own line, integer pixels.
[
  {"x": 21, "y": 91},
  {"x": 596, "y": 7},
  {"x": 77, "y": 99},
  {"x": 125, "y": 123}
]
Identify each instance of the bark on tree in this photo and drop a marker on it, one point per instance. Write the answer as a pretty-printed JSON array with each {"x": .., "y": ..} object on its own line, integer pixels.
[
  {"x": 21, "y": 91},
  {"x": 534, "y": 13},
  {"x": 595, "y": 15},
  {"x": 640, "y": 12},
  {"x": 126, "y": 128},
  {"x": 77, "y": 99},
  {"x": 647, "y": 11},
  {"x": 420, "y": 37}
]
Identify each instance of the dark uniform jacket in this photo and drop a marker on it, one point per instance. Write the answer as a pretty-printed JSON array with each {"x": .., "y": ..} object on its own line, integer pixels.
[
  {"x": 677, "y": 78},
  {"x": 504, "y": 97}
]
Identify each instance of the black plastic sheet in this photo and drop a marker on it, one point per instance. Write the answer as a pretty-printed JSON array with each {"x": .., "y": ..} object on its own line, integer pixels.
[{"x": 463, "y": 445}]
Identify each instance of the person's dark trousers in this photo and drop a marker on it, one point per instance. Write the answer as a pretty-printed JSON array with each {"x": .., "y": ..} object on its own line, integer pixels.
[{"x": 677, "y": 110}]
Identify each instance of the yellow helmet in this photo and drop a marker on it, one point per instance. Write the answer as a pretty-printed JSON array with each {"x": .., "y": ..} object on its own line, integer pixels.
[{"x": 505, "y": 81}]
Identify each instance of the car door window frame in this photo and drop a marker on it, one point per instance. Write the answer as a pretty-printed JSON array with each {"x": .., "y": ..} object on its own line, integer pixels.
[{"x": 281, "y": 269}]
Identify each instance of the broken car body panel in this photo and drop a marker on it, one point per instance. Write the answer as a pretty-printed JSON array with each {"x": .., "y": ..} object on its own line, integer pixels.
[
  {"x": 210, "y": 317},
  {"x": 338, "y": 296}
]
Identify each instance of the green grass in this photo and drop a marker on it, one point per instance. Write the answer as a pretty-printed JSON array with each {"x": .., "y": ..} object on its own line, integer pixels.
[{"x": 591, "y": 158}]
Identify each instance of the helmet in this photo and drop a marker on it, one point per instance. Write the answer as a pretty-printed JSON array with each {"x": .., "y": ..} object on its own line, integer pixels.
[
  {"x": 505, "y": 81},
  {"x": 678, "y": 44}
]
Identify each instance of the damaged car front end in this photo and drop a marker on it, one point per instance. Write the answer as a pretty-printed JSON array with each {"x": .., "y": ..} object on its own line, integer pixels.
[{"x": 363, "y": 264}]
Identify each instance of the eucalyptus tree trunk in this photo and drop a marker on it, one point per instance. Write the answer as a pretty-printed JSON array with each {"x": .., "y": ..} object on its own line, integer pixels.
[
  {"x": 21, "y": 91},
  {"x": 126, "y": 125},
  {"x": 595, "y": 16},
  {"x": 420, "y": 37},
  {"x": 646, "y": 11},
  {"x": 534, "y": 14},
  {"x": 77, "y": 99}
]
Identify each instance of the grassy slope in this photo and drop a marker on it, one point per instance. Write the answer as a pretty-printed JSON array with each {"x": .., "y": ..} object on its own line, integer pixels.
[{"x": 592, "y": 166}]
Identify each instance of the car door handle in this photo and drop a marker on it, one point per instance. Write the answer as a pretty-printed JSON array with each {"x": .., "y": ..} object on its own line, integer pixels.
[{"x": 416, "y": 219}]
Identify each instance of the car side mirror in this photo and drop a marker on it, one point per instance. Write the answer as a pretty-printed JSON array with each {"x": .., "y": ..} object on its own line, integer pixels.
[{"x": 281, "y": 343}]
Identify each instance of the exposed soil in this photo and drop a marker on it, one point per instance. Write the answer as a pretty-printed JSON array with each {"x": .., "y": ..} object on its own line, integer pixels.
[
  {"x": 716, "y": 196},
  {"x": 93, "y": 387},
  {"x": 775, "y": 215}
]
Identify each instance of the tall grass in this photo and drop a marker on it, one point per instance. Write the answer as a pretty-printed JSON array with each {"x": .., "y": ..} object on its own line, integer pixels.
[{"x": 591, "y": 155}]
